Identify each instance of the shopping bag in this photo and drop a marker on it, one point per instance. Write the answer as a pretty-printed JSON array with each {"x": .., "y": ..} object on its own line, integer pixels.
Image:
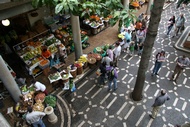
[{"x": 98, "y": 72}]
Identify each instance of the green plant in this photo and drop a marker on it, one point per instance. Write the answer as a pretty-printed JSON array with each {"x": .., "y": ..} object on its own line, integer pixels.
[{"x": 86, "y": 8}]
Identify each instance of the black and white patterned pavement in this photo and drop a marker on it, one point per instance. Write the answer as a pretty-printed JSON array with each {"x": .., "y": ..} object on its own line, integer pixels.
[{"x": 91, "y": 106}]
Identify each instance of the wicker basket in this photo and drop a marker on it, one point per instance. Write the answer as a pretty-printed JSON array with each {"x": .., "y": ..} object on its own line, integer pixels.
[
  {"x": 79, "y": 70},
  {"x": 91, "y": 62},
  {"x": 85, "y": 65},
  {"x": 74, "y": 72}
]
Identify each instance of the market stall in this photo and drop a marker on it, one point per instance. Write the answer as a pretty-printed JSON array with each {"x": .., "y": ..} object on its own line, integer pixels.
[
  {"x": 30, "y": 51},
  {"x": 37, "y": 100},
  {"x": 65, "y": 35},
  {"x": 96, "y": 24}
]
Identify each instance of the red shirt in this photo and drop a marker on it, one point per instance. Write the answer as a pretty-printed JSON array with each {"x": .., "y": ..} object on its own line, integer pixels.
[{"x": 46, "y": 54}]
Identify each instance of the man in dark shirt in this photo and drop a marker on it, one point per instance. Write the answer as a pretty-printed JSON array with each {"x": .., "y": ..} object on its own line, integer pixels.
[{"x": 159, "y": 101}]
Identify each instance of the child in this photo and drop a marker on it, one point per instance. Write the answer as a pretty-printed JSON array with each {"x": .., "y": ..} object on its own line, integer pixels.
[
  {"x": 131, "y": 48},
  {"x": 140, "y": 48},
  {"x": 126, "y": 46}
]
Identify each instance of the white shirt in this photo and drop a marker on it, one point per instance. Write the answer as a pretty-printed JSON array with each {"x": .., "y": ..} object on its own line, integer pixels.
[
  {"x": 107, "y": 60},
  {"x": 117, "y": 51},
  {"x": 34, "y": 116},
  {"x": 40, "y": 86}
]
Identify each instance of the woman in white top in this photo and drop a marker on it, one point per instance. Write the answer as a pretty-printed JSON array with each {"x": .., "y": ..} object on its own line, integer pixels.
[{"x": 117, "y": 52}]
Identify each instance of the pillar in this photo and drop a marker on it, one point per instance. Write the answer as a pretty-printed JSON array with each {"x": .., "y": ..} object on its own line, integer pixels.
[
  {"x": 52, "y": 118},
  {"x": 150, "y": 3},
  {"x": 8, "y": 81},
  {"x": 76, "y": 36},
  {"x": 126, "y": 4}
]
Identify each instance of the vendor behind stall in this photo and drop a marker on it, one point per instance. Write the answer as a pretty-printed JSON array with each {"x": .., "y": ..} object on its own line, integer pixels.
[
  {"x": 46, "y": 53},
  {"x": 61, "y": 53},
  {"x": 39, "y": 87}
]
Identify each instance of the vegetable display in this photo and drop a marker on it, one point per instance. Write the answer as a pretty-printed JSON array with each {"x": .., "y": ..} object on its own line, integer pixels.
[
  {"x": 40, "y": 96},
  {"x": 50, "y": 100}
]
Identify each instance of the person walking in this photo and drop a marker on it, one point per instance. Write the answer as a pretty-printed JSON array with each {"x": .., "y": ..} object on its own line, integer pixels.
[
  {"x": 182, "y": 63},
  {"x": 160, "y": 58},
  {"x": 39, "y": 87},
  {"x": 112, "y": 77},
  {"x": 110, "y": 52},
  {"x": 140, "y": 35},
  {"x": 35, "y": 117},
  {"x": 117, "y": 52},
  {"x": 140, "y": 48},
  {"x": 159, "y": 101},
  {"x": 179, "y": 24},
  {"x": 103, "y": 72},
  {"x": 171, "y": 24}
]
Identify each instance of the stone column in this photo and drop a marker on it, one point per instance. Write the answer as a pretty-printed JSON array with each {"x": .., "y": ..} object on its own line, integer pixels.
[
  {"x": 150, "y": 3},
  {"x": 126, "y": 4},
  {"x": 76, "y": 36},
  {"x": 8, "y": 81},
  {"x": 52, "y": 118}
]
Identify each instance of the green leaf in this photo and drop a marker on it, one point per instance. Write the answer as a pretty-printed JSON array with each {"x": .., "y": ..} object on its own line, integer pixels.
[
  {"x": 83, "y": 14},
  {"x": 58, "y": 8},
  {"x": 35, "y": 3},
  {"x": 70, "y": 7}
]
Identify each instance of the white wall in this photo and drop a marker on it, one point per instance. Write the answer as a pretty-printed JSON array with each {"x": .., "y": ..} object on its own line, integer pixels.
[{"x": 42, "y": 12}]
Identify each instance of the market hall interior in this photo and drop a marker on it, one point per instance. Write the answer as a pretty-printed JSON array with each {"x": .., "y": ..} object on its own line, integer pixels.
[{"x": 107, "y": 36}]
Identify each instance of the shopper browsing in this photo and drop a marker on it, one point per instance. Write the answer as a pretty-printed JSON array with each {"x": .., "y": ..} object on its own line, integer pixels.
[
  {"x": 40, "y": 87},
  {"x": 35, "y": 117}
]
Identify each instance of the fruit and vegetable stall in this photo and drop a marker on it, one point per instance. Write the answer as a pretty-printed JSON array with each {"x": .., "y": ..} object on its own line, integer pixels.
[
  {"x": 64, "y": 33},
  {"x": 37, "y": 100},
  {"x": 30, "y": 51},
  {"x": 97, "y": 23}
]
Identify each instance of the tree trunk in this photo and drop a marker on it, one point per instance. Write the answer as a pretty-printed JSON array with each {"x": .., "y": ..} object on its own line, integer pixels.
[{"x": 148, "y": 44}]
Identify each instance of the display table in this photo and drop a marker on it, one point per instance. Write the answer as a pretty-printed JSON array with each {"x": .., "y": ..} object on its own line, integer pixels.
[{"x": 30, "y": 51}]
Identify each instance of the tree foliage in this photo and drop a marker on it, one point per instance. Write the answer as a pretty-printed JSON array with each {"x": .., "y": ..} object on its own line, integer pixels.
[{"x": 86, "y": 8}]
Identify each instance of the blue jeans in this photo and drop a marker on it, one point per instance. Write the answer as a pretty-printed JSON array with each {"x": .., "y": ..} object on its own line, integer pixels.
[
  {"x": 114, "y": 83},
  {"x": 40, "y": 122},
  {"x": 169, "y": 29},
  {"x": 157, "y": 67},
  {"x": 102, "y": 80}
]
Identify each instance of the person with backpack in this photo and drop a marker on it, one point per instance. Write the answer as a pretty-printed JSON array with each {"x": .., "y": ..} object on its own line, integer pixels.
[
  {"x": 160, "y": 58},
  {"x": 112, "y": 76}
]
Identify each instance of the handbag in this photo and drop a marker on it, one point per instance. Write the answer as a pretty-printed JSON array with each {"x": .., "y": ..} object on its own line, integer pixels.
[{"x": 182, "y": 28}]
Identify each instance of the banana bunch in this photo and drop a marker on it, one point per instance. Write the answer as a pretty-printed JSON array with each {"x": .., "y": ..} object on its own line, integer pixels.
[{"x": 83, "y": 59}]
